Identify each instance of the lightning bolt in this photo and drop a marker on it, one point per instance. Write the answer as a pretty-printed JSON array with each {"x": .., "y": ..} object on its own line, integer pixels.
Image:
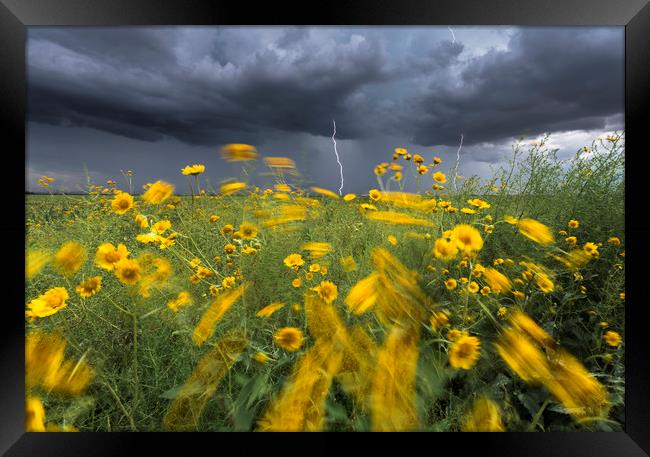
[
  {"x": 457, "y": 160},
  {"x": 337, "y": 157},
  {"x": 452, "y": 34}
]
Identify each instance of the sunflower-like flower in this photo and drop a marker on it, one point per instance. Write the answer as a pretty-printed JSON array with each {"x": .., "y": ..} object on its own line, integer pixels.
[
  {"x": 327, "y": 290},
  {"x": 536, "y": 231},
  {"x": 289, "y": 338},
  {"x": 122, "y": 202},
  {"x": 51, "y": 302},
  {"x": 439, "y": 177},
  {"x": 612, "y": 338},
  {"x": 158, "y": 192},
  {"x": 294, "y": 261},
  {"x": 464, "y": 352},
  {"x": 69, "y": 258},
  {"x": 238, "y": 152},
  {"x": 247, "y": 230},
  {"x": 128, "y": 271},
  {"x": 467, "y": 238},
  {"x": 89, "y": 287},
  {"x": 107, "y": 255},
  {"x": 193, "y": 170}
]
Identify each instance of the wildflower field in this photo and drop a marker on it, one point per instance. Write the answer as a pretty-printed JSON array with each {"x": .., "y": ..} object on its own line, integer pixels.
[{"x": 465, "y": 306}]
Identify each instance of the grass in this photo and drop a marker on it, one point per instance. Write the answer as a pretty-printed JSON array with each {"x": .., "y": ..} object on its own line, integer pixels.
[{"x": 142, "y": 353}]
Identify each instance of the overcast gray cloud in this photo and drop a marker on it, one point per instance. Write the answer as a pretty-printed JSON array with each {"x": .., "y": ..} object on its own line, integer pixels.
[{"x": 157, "y": 97}]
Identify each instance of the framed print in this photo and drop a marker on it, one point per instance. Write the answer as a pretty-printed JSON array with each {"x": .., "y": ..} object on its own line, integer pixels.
[{"x": 362, "y": 217}]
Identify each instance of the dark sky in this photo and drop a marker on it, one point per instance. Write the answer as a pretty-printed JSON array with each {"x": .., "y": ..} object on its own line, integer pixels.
[{"x": 155, "y": 99}]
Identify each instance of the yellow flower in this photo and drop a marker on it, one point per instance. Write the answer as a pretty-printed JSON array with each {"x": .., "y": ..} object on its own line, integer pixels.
[
  {"x": 34, "y": 262},
  {"x": 422, "y": 169},
  {"x": 51, "y": 302},
  {"x": 248, "y": 250},
  {"x": 158, "y": 192},
  {"x": 141, "y": 221},
  {"x": 440, "y": 177},
  {"x": 247, "y": 230},
  {"x": 260, "y": 357},
  {"x": 314, "y": 267},
  {"x": 437, "y": 160},
  {"x": 325, "y": 192},
  {"x": 467, "y": 238},
  {"x": 231, "y": 188},
  {"x": 591, "y": 249},
  {"x": 363, "y": 294},
  {"x": 445, "y": 249},
  {"x": 327, "y": 290},
  {"x": 453, "y": 334},
  {"x": 89, "y": 287},
  {"x": 562, "y": 232},
  {"x": 451, "y": 284},
  {"x": 107, "y": 255},
  {"x": 614, "y": 240},
  {"x": 229, "y": 248},
  {"x": 161, "y": 227},
  {"x": 238, "y": 152},
  {"x": 193, "y": 170},
  {"x": 481, "y": 204},
  {"x": 214, "y": 218},
  {"x": 379, "y": 170},
  {"x": 34, "y": 415},
  {"x": 203, "y": 273},
  {"x": 128, "y": 271},
  {"x": 438, "y": 320},
  {"x": 397, "y": 176},
  {"x": 183, "y": 298},
  {"x": 544, "y": 283},
  {"x": 502, "y": 312},
  {"x": 400, "y": 151},
  {"x": 572, "y": 240},
  {"x": 289, "y": 338},
  {"x": 374, "y": 194},
  {"x": 464, "y": 352},
  {"x": 368, "y": 206},
  {"x": 519, "y": 295},
  {"x": 392, "y": 240},
  {"x": 486, "y": 290},
  {"x": 498, "y": 282},
  {"x": 612, "y": 338},
  {"x": 349, "y": 197},
  {"x": 484, "y": 416},
  {"x": 122, "y": 203},
  {"x": 473, "y": 287},
  {"x": 622, "y": 296},
  {"x": 294, "y": 261},
  {"x": 228, "y": 282},
  {"x": 228, "y": 228},
  {"x": 282, "y": 187},
  {"x": 70, "y": 257},
  {"x": 269, "y": 309},
  {"x": 296, "y": 283},
  {"x": 573, "y": 224},
  {"x": 535, "y": 231},
  {"x": 467, "y": 211}
]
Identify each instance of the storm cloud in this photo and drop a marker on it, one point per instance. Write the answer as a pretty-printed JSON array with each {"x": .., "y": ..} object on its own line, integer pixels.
[{"x": 200, "y": 87}]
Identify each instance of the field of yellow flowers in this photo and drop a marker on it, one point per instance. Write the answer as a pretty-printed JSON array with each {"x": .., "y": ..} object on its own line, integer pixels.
[{"x": 466, "y": 306}]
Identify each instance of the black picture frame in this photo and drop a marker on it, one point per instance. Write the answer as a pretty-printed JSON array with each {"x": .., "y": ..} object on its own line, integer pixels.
[{"x": 634, "y": 15}]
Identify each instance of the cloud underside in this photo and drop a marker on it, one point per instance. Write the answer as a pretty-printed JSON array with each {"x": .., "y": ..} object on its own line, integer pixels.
[{"x": 207, "y": 86}]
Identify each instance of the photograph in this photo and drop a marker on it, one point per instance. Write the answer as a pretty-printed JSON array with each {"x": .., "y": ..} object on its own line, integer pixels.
[{"x": 325, "y": 228}]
